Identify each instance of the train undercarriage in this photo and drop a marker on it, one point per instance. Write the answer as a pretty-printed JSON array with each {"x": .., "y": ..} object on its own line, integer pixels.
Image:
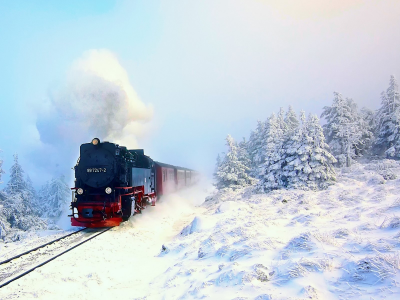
[{"x": 110, "y": 210}]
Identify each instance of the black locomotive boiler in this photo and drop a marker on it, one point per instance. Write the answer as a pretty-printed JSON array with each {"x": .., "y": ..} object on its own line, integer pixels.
[{"x": 112, "y": 183}]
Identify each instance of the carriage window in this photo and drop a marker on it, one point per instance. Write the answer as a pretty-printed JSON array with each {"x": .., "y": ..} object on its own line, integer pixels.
[{"x": 171, "y": 174}]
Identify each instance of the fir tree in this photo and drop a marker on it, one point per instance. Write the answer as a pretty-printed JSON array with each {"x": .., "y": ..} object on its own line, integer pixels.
[
  {"x": 29, "y": 187},
  {"x": 32, "y": 196},
  {"x": 299, "y": 159},
  {"x": 293, "y": 149},
  {"x": 42, "y": 199},
  {"x": 243, "y": 154},
  {"x": 5, "y": 226},
  {"x": 281, "y": 121},
  {"x": 54, "y": 197},
  {"x": 350, "y": 135},
  {"x": 388, "y": 134},
  {"x": 342, "y": 129},
  {"x": 320, "y": 159},
  {"x": 291, "y": 120},
  {"x": 16, "y": 183},
  {"x": 255, "y": 145},
  {"x": 16, "y": 212},
  {"x": 232, "y": 173},
  {"x": 217, "y": 165},
  {"x": 272, "y": 154},
  {"x": 367, "y": 126}
]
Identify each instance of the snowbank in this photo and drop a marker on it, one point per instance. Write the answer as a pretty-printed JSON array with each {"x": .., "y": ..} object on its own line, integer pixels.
[{"x": 342, "y": 242}]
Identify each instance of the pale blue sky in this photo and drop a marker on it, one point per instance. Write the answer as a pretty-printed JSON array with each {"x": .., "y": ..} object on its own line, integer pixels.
[{"x": 209, "y": 68}]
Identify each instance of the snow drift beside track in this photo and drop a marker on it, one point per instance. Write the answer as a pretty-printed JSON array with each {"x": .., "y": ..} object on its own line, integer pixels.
[
  {"x": 342, "y": 242},
  {"x": 174, "y": 205}
]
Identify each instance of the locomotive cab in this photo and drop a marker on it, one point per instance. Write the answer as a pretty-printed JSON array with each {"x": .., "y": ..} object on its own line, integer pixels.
[{"x": 143, "y": 171}]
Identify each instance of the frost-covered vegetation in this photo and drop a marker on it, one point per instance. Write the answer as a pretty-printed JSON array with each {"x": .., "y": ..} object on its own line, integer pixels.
[
  {"x": 337, "y": 243},
  {"x": 237, "y": 159},
  {"x": 23, "y": 209},
  {"x": 285, "y": 152}
]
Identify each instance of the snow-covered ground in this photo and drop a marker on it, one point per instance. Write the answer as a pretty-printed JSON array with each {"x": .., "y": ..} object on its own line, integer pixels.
[
  {"x": 340, "y": 243},
  {"x": 118, "y": 264},
  {"x": 30, "y": 240}
]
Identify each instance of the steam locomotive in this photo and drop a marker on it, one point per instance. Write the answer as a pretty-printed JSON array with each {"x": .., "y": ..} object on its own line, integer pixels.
[{"x": 112, "y": 183}]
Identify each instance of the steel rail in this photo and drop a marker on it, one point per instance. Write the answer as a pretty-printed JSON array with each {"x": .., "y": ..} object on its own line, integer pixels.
[
  {"x": 44, "y": 245},
  {"x": 50, "y": 259}
]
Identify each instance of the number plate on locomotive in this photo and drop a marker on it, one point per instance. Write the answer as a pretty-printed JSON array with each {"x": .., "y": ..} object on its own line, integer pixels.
[{"x": 96, "y": 170}]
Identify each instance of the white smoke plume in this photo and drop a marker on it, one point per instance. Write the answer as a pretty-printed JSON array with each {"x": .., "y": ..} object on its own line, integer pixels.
[{"x": 96, "y": 100}]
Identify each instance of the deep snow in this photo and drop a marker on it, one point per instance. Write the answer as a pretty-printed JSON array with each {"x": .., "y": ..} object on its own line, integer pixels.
[{"x": 339, "y": 243}]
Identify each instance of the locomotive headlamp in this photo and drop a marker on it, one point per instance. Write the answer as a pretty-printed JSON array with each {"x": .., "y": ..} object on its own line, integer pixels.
[
  {"x": 79, "y": 191},
  {"x": 108, "y": 190},
  {"x": 95, "y": 141}
]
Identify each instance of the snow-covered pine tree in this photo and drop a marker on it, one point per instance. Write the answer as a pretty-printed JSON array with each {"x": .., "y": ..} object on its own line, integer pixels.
[
  {"x": 281, "y": 121},
  {"x": 17, "y": 183},
  {"x": 55, "y": 199},
  {"x": 255, "y": 146},
  {"x": 217, "y": 165},
  {"x": 231, "y": 172},
  {"x": 392, "y": 93},
  {"x": 32, "y": 195},
  {"x": 17, "y": 188},
  {"x": 367, "y": 120},
  {"x": 244, "y": 159},
  {"x": 290, "y": 144},
  {"x": 42, "y": 199},
  {"x": 291, "y": 120},
  {"x": 342, "y": 130},
  {"x": 388, "y": 122},
  {"x": 320, "y": 160},
  {"x": 302, "y": 162},
  {"x": 294, "y": 149},
  {"x": 16, "y": 212},
  {"x": 17, "y": 207},
  {"x": 243, "y": 154},
  {"x": 5, "y": 226},
  {"x": 350, "y": 134},
  {"x": 270, "y": 168},
  {"x": 29, "y": 186}
]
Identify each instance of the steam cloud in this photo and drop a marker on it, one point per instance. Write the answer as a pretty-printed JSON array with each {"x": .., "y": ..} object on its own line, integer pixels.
[{"x": 96, "y": 100}]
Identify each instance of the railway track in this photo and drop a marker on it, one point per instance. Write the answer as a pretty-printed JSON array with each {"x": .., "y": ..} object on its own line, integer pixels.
[{"x": 22, "y": 264}]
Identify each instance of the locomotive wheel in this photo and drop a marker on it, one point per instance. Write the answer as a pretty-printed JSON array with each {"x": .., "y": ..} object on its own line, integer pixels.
[{"x": 126, "y": 208}]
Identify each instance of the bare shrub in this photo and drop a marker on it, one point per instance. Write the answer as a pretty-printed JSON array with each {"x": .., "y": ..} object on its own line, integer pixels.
[
  {"x": 305, "y": 266},
  {"x": 374, "y": 269},
  {"x": 326, "y": 238},
  {"x": 390, "y": 222},
  {"x": 301, "y": 243}
]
